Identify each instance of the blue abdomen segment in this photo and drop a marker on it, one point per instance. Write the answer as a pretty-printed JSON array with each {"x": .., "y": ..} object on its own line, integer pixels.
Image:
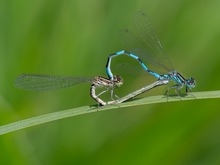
[{"x": 123, "y": 52}]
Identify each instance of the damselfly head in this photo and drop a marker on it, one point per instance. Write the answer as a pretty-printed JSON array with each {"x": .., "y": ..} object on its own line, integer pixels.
[
  {"x": 191, "y": 83},
  {"x": 118, "y": 81}
]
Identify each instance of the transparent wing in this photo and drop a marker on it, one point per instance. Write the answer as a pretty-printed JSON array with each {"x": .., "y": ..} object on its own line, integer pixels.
[
  {"x": 40, "y": 82},
  {"x": 142, "y": 41},
  {"x": 128, "y": 68}
]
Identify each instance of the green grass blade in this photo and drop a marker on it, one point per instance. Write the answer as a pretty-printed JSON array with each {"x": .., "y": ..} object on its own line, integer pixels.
[{"x": 87, "y": 109}]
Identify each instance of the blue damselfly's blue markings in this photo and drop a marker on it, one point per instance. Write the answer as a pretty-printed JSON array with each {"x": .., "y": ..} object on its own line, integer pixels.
[{"x": 144, "y": 45}]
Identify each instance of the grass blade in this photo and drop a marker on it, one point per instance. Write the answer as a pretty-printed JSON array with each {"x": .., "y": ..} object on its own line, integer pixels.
[{"x": 87, "y": 109}]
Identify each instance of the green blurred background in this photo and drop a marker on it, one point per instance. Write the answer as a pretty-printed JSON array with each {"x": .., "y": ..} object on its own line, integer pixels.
[{"x": 74, "y": 37}]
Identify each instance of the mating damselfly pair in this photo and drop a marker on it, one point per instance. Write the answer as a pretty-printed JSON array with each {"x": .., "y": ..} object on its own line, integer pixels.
[{"x": 143, "y": 46}]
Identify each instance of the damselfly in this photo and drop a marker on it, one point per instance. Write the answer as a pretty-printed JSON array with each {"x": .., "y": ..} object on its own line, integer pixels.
[
  {"x": 41, "y": 82},
  {"x": 144, "y": 45}
]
